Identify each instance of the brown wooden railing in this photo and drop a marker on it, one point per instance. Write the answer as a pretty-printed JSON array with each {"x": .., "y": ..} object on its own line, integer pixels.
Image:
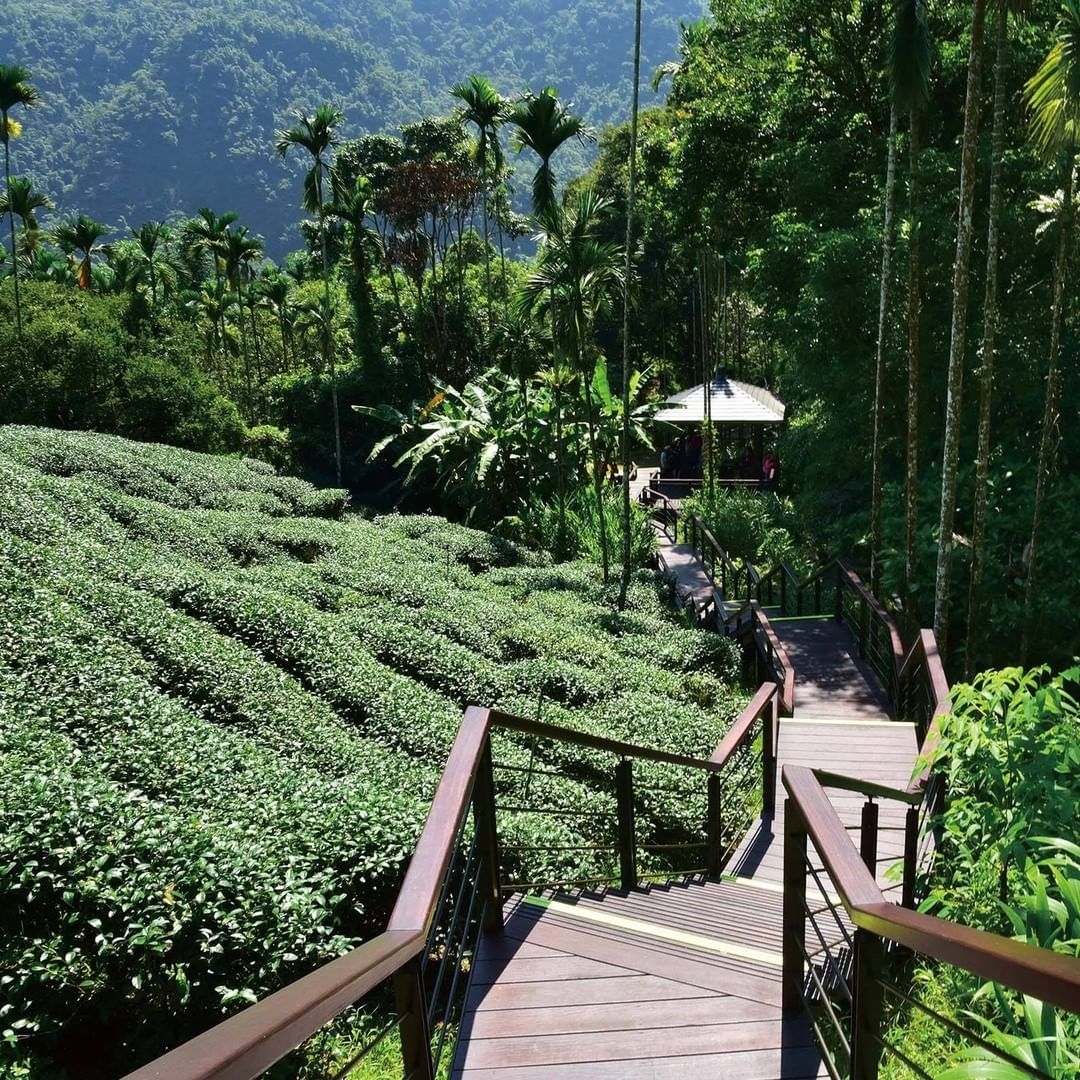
[
  {"x": 835, "y": 952},
  {"x": 456, "y": 883}
]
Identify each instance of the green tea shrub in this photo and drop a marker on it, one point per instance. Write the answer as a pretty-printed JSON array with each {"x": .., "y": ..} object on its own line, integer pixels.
[{"x": 225, "y": 706}]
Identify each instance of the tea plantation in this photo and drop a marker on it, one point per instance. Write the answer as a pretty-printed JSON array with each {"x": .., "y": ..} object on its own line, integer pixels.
[{"x": 224, "y": 705}]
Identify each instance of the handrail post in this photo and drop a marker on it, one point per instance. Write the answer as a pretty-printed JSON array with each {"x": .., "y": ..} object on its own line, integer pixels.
[
  {"x": 839, "y": 597},
  {"x": 768, "y": 757},
  {"x": 798, "y": 600},
  {"x": 864, "y": 613},
  {"x": 794, "y": 906},
  {"x": 624, "y": 794},
  {"x": 412, "y": 1010},
  {"x": 868, "y": 836},
  {"x": 714, "y": 855},
  {"x": 487, "y": 840},
  {"x": 783, "y": 591},
  {"x": 866, "y": 1006},
  {"x": 911, "y": 853},
  {"x": 817, "y": 595}
]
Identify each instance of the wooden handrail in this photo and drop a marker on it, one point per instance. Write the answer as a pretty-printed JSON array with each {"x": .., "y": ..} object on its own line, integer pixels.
[
  {"x": 419, "y": 893},
  {"x": 599, "y": 742},
  {"x": 744, "y": 725},
  {"x": 866, "y": 787},
  {"x": 1049, "y": 976},
  {"x": 247, "y": 1044}
]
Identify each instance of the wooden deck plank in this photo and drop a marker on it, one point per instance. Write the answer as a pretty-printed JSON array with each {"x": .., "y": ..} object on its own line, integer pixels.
[
  {"x": 583, "y": 991},
  {"x": 618, "y": 1046},
  {"x": 672, "y": 1013},
  {"x": 792, "y": 1063}
]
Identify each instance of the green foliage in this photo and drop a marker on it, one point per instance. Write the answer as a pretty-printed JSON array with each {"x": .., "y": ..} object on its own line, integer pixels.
[
  {"x": 224, "y": 706},
  {"x": 77, "y": 366},
  {"x": 170, "y": 87},
  {"x": 1008, "y": 754},
  {"x": 758, "y": 527}
]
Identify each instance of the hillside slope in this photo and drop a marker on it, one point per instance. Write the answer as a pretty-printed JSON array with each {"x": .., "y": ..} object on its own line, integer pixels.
[
  {"x": 223, "y": 710},
  {"x": 172, "y": 105}
]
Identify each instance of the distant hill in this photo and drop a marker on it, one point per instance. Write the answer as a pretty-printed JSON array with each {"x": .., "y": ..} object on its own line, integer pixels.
[{"x": 155, "y": 107}]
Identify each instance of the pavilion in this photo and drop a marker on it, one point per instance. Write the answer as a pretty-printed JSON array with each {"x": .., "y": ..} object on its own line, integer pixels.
[{"x": 740, "y": 414}]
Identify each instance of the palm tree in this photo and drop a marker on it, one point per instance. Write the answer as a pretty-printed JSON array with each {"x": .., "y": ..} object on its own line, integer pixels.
[
  {"x": 577, "y": 274},
  {"x": 22, "y": 200},
  {"x": 1053, "y": 99},
  {"x": 691, "y": 36},
  {"x": 958, "y": 334},
  {"x": 153, "y": 238},
  {"x": 317, "y": 134},
  {"x": 205, "y": 235},
  {"x": 909, "y": 73},
  {"x": 81, "y": 235},
  {"x": 631, "y": 194},
  {"x": 277, "y": 294},
  {"x": 990, "y": 323},
  {"x": 239, "y": 254},
  {"x": 355, "y": 206},
  {"x": 542, "y": 123},
  {"x": 484, "y": 107},
  {"x": 15, "y": 89}
]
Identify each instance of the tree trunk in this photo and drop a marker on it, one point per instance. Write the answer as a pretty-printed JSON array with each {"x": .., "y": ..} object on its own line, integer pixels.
[
  {"x": 990, "y": 321},
  {"x": 598, "y": 482},
  {"x": 914, "y": 315},
  {"x": 487, "y": 256},
  {"x": 624, "y": 583},
  {"x": 958, "y": 335},
  {"x": 877, "y": 453},
  {"x": 560, "y": 469},
  {"x": 329, "y": 334},
  {"x": 11, "y": 219},
  {"x": 1053, "y": 379}
]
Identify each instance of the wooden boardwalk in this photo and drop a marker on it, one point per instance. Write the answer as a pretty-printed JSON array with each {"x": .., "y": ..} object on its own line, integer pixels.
[{"x": 683, "y": 980}]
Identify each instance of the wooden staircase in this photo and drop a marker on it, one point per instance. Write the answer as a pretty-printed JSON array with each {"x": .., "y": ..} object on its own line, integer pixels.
[{"x": 768, "y": 964}]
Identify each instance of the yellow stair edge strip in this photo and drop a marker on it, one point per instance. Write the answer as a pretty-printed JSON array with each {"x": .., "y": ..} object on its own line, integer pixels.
[{"x": 654, "y": 930}]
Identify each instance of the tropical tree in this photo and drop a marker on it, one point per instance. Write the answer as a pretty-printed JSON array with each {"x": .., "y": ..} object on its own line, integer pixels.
[
  {"x": 23, "y": 200},
  {"x": 153, "y": 238},
  {"x": 355, "y": 206},
  {"x": 81, "y": 235},
  {"x": 631, "y": 195},
  {"x": 691, "y": 36},
  {"x": 958, "y": 332},
  {"x": 278, "y": 298},
  {"x": 990, "y": 324},
  {"x": 471, "y": 440},
  {"x": 911, "y": 74},
  {"x": 15, "y": 89},
  {"x": 484, "y": 107},
  {"x": 542, "y": 123},
  {"x": 317, "y": 134},
  {"x": 578, "y": 274},
  {"x": 240, "y": 252},
  {"x": 1053, "y": 99},
  {"x": 908, "y": 71}
]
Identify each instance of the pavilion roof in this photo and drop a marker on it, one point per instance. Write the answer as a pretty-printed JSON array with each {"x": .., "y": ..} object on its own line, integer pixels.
[{"x": 732, "y": 402}]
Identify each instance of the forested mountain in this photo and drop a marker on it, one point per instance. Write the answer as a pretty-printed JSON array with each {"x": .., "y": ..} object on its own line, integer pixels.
[{"x": 162, "y": 107}]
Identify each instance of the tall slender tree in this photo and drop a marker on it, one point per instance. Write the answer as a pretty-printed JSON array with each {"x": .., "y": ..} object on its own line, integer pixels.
[
  {"x": 908, "y": 67},
  {"x": 153, "y": 238},
  {"x": 81, "y": 236},
  {"x": 543, "y": 124},
  {"x": 240, "y": 252},
  {"x": 631, "y": 195},
  {"x": 577, "y": 274},
  {"x": 317, "y": 134},
  {"x": 909, "y": 73},
  {"x": 15, "y": 89},
  {"x": 958, "y": 332},
  {"x": 888, "y": 238},
  {"x": 989, "y": 334},
  {"x": 1053, "y": 98},
  {"x": 23, "y": 200},
  {"x": 485, "y": 108}
]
